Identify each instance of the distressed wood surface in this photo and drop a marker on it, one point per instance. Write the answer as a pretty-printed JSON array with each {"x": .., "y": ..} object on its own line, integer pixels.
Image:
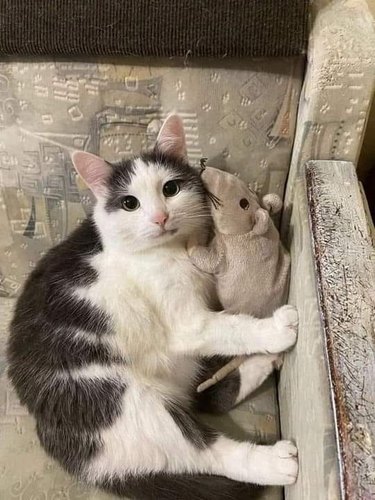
[
  {"x": 367, "y": 212},
  {"x": 345, "y": 268}
]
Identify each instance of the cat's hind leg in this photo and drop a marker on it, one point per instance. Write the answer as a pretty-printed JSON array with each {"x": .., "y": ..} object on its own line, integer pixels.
[
  {"x": 235, "y": 387},
  {"x": 254, "y": 371},
  {"x": 156, "y": 439}
]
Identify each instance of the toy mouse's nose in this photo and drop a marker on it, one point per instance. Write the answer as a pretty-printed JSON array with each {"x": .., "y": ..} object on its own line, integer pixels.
[{"x": 159, "y": 218}]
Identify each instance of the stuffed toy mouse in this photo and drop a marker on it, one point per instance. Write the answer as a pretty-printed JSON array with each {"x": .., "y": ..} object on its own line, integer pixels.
[{"x": 246, "y": 256}]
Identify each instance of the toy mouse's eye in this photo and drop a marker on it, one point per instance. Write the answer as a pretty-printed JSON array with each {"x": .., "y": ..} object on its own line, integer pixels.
[{"x": 244, "y": 204}]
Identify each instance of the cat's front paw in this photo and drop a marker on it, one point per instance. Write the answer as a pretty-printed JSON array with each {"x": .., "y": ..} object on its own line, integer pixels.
[
  {"x": 286, "y": 320},
  {"x": 272, "y": 465},
  {"x": 283, "y": 330},
  {"x": 282, "y": 463},
  {"x": 286, "y": 317}
]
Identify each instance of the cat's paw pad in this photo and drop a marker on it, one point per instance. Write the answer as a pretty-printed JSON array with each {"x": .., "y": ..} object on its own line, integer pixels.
[
  {"x": 286, "y": 322},
  {"x": 286, "y": 317},
  {"x": 285, "y": 449},
  {"x": 280, "y": 332},
  {"x": 274, "y": 465},
  {"x": 282, "y": 464}
]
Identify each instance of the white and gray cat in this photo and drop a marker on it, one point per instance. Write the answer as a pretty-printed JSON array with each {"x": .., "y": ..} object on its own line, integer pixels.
[{"x": 114, "y": 329}]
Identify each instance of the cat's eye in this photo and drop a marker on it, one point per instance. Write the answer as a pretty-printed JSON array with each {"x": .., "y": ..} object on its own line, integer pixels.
[
  {"x": 171, "y": 188},
  {"x": 244, "y": 204},
  {"x": 130, "y": 203}
]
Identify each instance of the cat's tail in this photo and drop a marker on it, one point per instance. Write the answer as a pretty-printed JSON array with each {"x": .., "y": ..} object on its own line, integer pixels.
[{"x": 163, "y": 486}]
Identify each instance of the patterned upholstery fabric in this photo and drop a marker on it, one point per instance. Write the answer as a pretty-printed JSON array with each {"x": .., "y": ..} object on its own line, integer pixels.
[{"x": 242, "y": 117}]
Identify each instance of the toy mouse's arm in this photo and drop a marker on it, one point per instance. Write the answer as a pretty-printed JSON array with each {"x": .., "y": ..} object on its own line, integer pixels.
[
  {"x": 272, "y": 202},
  {"x": 208, "y": 258}
]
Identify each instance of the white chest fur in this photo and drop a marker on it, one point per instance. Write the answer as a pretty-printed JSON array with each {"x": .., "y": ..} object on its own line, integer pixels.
[{"x": 149, "y": 297}]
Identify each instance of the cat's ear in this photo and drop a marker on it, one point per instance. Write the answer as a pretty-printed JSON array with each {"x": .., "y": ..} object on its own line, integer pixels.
[
  {"x": 93, "y": 170},
  {"x": 171, "y": 138}
]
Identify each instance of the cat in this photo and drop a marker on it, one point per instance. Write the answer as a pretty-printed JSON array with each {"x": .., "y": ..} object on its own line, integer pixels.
[{"x": 115, "y": 328}]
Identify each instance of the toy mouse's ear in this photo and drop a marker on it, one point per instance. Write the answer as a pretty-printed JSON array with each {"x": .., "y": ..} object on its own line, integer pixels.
[
  {"x": 171, "y": 138},
  {"x": 272, "y": 202}
]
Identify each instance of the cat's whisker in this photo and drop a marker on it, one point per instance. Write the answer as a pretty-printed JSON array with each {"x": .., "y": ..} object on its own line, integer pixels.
[
  {"x": 185, "y": 217},
  {"x": 192, "y": 214}
]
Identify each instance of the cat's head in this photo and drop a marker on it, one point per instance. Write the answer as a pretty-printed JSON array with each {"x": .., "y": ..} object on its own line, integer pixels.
[{"x": 150, "y": 199}]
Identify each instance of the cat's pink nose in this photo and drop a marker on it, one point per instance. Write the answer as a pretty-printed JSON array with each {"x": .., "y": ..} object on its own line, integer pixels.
[{"x": 159, "y": 218}]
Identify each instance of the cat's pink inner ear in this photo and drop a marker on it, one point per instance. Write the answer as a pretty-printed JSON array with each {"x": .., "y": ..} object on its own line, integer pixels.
[
  {"x": 171, "y": 138},
  {"x": 93, "y": 170}
]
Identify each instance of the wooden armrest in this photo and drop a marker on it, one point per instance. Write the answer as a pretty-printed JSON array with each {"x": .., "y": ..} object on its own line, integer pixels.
[{"x": 345, "y": 274}]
